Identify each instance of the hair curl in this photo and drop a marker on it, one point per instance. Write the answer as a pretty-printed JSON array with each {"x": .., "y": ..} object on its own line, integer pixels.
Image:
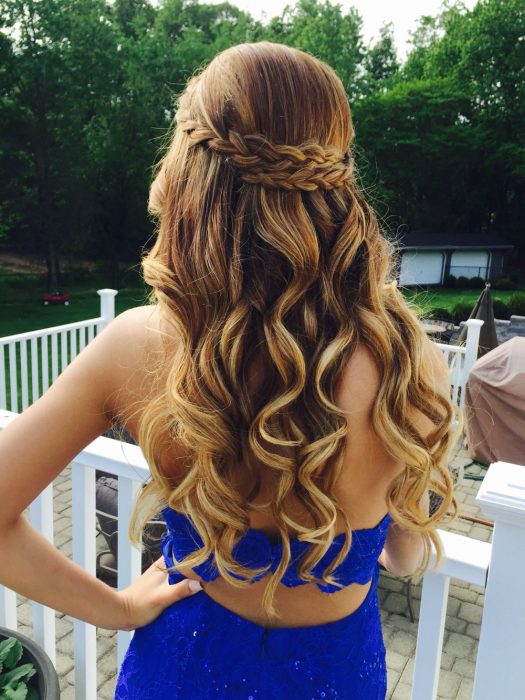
[{"x": 267, "y": 248}]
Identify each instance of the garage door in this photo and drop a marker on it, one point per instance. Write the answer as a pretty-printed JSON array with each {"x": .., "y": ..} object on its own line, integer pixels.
[
  {"x": 469, "y": 263},
  {"x": 421, "y": 267}
]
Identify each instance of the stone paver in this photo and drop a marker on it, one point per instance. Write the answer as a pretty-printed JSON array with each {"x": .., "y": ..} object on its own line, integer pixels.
[{"x": 462, "y": 624}]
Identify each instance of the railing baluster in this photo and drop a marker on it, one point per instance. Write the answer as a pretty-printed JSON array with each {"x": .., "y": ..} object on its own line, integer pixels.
[
  {"x": 8, "y": 608},
  {"x": 129, "y": 558},
  {"x": 82, "y": 338},
  {"x": 84, "y": 554},
  {"x": 54, "y": 356},
  {"x": 63, "y": 351},
  {"x": 35, "y": 384},
  {"x": 73, "y": 340},
  {"x": 24, "y": 373},
  {"x": 3, "y": 383},
  {"x": 13, "y": 375},
  {"x": 45, "y": 363},
  {"x": 432, "y": 614},
  {"x": 41, "y": 516},
  {"x": 91, "y": 333}
]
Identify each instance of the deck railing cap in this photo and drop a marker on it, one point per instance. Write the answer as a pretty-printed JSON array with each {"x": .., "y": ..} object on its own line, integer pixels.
[{"x": 502, "y": 494}]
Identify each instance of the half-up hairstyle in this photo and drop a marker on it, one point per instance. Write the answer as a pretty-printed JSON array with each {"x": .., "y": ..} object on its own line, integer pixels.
[{"x": 267, "y": 249}]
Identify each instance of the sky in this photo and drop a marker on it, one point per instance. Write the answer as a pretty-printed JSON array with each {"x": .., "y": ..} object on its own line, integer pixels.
[{"x": 403, "y": 14}]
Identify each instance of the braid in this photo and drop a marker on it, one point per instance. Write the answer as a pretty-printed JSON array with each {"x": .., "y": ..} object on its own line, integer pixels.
[{"x": 306, "y": 167}]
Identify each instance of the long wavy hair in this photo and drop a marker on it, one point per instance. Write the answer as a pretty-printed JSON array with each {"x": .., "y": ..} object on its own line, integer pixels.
[{"x": 266, "y": 248}]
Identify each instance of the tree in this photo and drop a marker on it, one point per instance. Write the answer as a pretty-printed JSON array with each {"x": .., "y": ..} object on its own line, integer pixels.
[
  {"x": 380, "y": 62},
  {"x": 322, "y": 29}
]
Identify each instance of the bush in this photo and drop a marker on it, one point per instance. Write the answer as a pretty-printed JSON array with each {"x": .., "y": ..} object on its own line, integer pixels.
[
  {"x": 477, "y": 283},
  {"x": 504, "y": 283},
  {"x": 449, "y": 281},
  {"x": 440, "y": 313},
  {"x": 516, "y": 304},
  {"x": 501, "y": 310},
  {"x": 461, "y": 311},
  {"x": 462, "y": 281}
]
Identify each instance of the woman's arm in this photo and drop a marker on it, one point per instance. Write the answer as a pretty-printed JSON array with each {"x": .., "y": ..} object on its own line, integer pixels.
[
  {"x": 403, "y": 551},
  {"x": 34, "y": 448}
]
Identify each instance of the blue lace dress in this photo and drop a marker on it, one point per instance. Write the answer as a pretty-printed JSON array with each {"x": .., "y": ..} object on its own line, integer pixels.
[{"x": 197, "y": 649}]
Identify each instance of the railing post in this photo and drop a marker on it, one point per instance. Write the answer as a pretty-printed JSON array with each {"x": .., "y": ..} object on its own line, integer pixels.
[
  {"x": 433, "y": 611},
  {"x": 107, "y": 305},
  {"x": 499, "y": 667},
  {"x": 44, "y": 629},
  {"x": 471, "y": 352}
]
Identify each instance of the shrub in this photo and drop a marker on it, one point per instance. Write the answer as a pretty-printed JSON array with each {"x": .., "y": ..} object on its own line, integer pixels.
[
  {"x": 476, "y": 283},
  {"x": 462, "y": 281},
  {"x": 449, "y": 281},
  {"x": 440, "y": 313},
  {"x": 504, "y": 283},
  {"x": 501, "y": 310},
  {"x": 516, "y": 304},
  {"x": 461, "y": 311}
]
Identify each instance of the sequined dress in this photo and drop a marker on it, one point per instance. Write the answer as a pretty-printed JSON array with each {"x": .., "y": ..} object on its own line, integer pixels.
[{"x": 198, "y": 650}]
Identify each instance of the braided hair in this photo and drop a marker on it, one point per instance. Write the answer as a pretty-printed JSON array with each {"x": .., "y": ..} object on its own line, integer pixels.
[{"x": 258, "y": 161}]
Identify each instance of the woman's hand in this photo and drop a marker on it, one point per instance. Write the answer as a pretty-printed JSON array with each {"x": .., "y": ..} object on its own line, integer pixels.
[{"x": 151, "y": 593}]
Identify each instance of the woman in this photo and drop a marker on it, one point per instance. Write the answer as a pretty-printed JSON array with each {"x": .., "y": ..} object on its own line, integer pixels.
[{"x": 293, "y": 413}]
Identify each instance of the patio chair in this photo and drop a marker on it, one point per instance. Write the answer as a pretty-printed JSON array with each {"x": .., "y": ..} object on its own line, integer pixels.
[{"x": 107, "y": 526}]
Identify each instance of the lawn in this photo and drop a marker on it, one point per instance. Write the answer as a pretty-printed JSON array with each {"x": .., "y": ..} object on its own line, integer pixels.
[
  {"x": 437, "y": 297},
  {"x": 21, "y": 308}
]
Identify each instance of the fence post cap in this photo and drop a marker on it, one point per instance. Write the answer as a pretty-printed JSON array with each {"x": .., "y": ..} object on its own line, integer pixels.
[
  {"x": 502, "y": 493},
  {"x": 109, "y": 292}
]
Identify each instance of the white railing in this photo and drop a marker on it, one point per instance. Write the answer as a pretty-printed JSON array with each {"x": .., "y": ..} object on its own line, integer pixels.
[
  {"x": 460, "y": 359},
  {"x": 127, "y": 463},
  {"x": 30, "y": 362},
  {"x": 500, "y": 566}
]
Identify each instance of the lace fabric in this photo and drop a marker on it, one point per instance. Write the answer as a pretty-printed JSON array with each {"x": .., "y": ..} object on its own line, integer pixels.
[
  {"x": 255, "y": 550},
  {"x": 199, "y": 650}
]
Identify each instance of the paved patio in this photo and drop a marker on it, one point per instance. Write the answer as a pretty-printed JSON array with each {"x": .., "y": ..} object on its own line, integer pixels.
[{"x": 461, "y": 631}]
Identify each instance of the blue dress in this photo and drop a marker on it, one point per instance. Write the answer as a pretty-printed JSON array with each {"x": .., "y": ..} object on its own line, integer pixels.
[{"x": 197, "y": 649}]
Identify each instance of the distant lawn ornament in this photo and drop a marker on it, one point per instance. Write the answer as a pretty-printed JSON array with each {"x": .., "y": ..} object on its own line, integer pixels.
[{"x": 55, "y": 297}]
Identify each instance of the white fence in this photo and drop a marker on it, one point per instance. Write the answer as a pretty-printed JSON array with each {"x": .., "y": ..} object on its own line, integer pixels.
[
  {"x": 502, "y": 640},
  {"x": 30, "y": 362},
  {"x": 460, "y": 359},
  {"x": 127, "y": 463}
]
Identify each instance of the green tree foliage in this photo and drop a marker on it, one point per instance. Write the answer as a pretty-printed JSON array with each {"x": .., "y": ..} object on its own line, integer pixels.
[
  {"x": 87, "y": 92},
  {"x": 482, "y": 52},
  {"x": 326, "y": 31}
]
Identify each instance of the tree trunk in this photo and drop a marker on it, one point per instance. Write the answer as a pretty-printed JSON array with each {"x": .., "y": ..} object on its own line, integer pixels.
[{"x": 53, "y": 266}]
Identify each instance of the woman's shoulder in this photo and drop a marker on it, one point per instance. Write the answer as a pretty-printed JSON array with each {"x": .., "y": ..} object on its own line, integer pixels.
[
  {"x": 133, "y": 342},
  {"x": 362, "y": 374}
]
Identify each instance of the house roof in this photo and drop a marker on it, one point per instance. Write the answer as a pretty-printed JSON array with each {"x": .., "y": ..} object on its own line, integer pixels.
[{"x": 459, "y": 239}]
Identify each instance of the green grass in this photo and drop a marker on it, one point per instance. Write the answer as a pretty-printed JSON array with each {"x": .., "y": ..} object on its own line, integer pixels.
[
  {"x": 427, "y": 299},
  {"x": 21, "y": 307}
]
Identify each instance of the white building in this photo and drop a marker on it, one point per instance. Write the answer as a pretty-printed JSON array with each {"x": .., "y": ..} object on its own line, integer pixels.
[{"x": 427, "y": 257}]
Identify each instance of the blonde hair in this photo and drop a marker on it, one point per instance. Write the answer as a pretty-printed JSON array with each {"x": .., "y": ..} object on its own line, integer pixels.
[{"x": 266, "y": 246}]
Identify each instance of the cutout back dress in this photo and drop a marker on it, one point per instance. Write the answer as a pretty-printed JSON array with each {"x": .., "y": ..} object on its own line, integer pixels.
[{"x": 198, "y": 650}]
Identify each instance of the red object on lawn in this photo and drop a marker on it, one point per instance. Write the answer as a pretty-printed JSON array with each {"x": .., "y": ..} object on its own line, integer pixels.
[{"x": 55, "y": 297}]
